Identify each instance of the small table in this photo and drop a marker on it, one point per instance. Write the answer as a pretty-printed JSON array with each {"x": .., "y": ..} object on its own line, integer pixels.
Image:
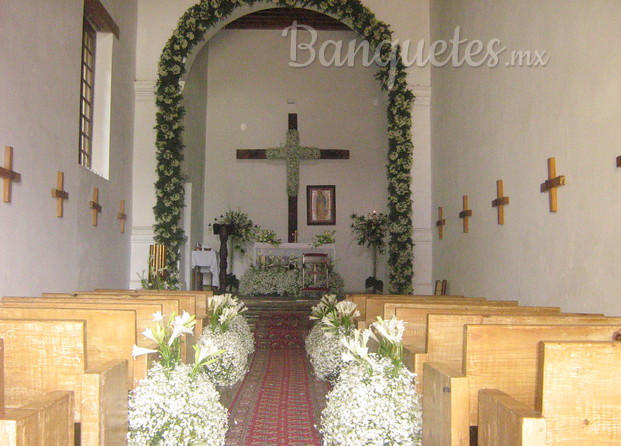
[{"x": 207, "y": 261}]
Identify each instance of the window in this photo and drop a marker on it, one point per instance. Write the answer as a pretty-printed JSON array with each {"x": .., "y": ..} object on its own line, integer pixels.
[
  {"x": 87, "y": 94},
  {"x": 99, "y": 30}
]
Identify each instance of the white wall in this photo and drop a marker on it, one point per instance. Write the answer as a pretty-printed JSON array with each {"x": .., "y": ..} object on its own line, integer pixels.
[
  {"x": 40, "y": 87},
  {"x": 503, "y": 123},
  {"x": 157, "y": 19}
]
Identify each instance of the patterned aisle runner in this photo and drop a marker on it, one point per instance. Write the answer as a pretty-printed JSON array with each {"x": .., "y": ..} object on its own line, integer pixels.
[{"x": 279, "y": 401}]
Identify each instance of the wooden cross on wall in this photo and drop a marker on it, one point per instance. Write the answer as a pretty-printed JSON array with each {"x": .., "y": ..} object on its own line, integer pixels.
[
  {"x": 440, "y": 223},
  {"x": 95, "y": 206},
  {"x": 465, "y": 214},
  {"x": 122, "y": 216},
  {"x": 59, "y": 193},
  {"x": 8, "y": 174},
  {"x": 500, "y": 202},
  {"x": 293, "y": 153},
  {"x": 552, "y": 184}
]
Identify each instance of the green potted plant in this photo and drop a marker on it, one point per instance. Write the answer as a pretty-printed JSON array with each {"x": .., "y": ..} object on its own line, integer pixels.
[{"x": 370, "y": 230}]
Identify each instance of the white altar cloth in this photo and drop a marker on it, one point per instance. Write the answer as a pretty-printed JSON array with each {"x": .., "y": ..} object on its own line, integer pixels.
[{"x": 207, "y": 260}]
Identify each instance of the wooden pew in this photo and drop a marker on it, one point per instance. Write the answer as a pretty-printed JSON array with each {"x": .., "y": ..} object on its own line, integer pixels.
[
  {"x": 43, "y": 356},
  {"x": 415, "y": 316},
  {"x": 145, "y": 308},
  {"x": 374, "y": 307},
  {"x": 361, "y": 300},
  {"x": 201, "y": 297},
  {"x": 445, "y": 340},
  {"x": 111, "y": 333},
  {"x": 195, "y": 304},
  {"x": 577, "y": 400},
  {"x": 502, "y": 357},
  {"x": 48, "y": 419}
]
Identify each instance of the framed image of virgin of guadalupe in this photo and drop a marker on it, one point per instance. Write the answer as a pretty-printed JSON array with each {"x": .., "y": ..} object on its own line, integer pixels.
[{"x": 320, "y": 205}]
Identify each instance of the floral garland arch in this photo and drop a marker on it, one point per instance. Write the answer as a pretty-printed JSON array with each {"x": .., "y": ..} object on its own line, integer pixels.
[{"x": 190, "y": 31}]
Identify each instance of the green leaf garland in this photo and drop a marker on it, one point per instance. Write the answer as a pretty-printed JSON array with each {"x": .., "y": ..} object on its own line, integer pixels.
[{"x": 190, "y": 31}]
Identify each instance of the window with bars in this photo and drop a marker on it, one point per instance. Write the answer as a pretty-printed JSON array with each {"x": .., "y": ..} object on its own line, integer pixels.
[{"x": 87, "y": 94}]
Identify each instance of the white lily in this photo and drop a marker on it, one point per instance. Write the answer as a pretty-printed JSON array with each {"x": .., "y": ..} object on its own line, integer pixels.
[
  {"x": 148, "y": 333},
  {"x": 139, "y": 351},
  {"x": 158, "y": 317}
]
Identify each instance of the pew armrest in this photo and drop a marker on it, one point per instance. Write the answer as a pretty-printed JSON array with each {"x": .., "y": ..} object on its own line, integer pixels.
[
  {"x": 47, "y": 419},
  {"x": 104, "y": 404},
  {"x": 415, "y": 362},
  {"x": 505, "y": 421},
  {"x": 446, "y": 406}
]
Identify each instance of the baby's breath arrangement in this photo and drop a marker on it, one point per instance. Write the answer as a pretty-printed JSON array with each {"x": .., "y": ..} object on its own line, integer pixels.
[
  {"x": 176, "y": 404},
  {"x": 228, "y": 331},
  {"x": 323, "y": 343},
  {"x": 374, "y": 402},
  {"x": 173, "y": 408}
]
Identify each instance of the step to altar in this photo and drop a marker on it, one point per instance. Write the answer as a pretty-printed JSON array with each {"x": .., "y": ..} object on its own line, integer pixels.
[{"x": 277, "y": 304}]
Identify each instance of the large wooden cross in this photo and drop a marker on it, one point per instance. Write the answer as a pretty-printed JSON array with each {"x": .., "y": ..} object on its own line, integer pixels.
[
  {"x": 552, "y": 184},
  {"x": 59, "y": 193},
  {"x": 293, "y": 152}
]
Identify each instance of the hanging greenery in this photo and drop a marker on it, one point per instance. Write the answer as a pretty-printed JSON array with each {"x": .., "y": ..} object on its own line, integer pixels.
[{"x": 169, "y": 142}]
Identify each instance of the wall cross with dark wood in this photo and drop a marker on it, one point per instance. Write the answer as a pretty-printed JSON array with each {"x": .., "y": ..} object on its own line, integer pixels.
[{"x": 293, "y": 153}]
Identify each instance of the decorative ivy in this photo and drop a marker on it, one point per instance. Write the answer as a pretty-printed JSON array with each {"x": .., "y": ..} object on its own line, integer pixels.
[{"x": 190, "y": 31}]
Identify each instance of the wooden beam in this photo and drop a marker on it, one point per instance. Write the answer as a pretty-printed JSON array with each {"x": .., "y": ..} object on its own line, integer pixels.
[
  {"x": 261, "y": 154},
  {"x": 96, "y": 12}
]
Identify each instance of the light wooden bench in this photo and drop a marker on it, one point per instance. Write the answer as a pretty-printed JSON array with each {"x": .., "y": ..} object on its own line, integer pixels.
[
  {"x": 48, "y": 419},
  {"x": 43, "y": 356},
  {"x": 111, "y": 333},
  {"x": 577, "y": 400},
  {"x": 502, "y": 357},
  {"x": 145, "y": 308},
  {"x": 195, "y": 304},
  {"x": 361, "y": 300},
  {"x": 445, "y": 340},
  {"x": 415, "y": 316}
]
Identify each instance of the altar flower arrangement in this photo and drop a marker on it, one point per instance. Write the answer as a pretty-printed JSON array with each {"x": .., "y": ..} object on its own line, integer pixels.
[
  {"x": 266, "y": 236},
  {"x": 228, "y": 331},
  {"x": 325, "y": 238},
  {"x": 324, "y": 343},
  {"x": 176, "y": 404},
  {"x": 374, "y": 402}
]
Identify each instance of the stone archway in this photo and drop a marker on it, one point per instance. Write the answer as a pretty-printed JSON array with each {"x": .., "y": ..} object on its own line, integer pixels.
[{"x": 191, "y": 30}]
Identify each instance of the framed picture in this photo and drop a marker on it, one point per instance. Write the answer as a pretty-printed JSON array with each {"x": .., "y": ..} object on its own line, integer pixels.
[{"x": 320, "y": 205}]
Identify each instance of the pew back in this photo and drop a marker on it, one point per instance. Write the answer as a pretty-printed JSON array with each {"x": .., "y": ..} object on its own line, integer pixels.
[
  {"x": 415, "y": 317},
  {"x": 504, "y": 357},
  {"x": 361, "y": 299},
  {"x": 110, "y": 333},
  {"x": 578, "y": 392}
]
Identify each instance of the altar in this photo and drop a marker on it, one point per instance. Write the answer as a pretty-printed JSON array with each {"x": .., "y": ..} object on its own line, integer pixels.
[
  {"x": 289, "y": 252},
  {"x": 205, "y": 262}
]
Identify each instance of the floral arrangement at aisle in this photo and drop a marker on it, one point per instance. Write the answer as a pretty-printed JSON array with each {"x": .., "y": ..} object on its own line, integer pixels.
[
  {"x": 176, "y": 404},
  {"x": 323, "y": 344},
  {"x": 374, "y": 401},
  {"x": 392, "y": 75},
  {"x": 269, "y": 279},
  {"x": 370, "y": 231},
  {"x": 228, "y": 331}
]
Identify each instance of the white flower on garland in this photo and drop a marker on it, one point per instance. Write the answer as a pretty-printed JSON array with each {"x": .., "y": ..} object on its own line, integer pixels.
[
  {"x": 174, "y": 408},
  {"x": 373, "y": 403}
]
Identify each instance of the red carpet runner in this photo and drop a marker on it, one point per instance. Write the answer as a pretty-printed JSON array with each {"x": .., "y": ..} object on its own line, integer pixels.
[{"x": 279, "y": 401}]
